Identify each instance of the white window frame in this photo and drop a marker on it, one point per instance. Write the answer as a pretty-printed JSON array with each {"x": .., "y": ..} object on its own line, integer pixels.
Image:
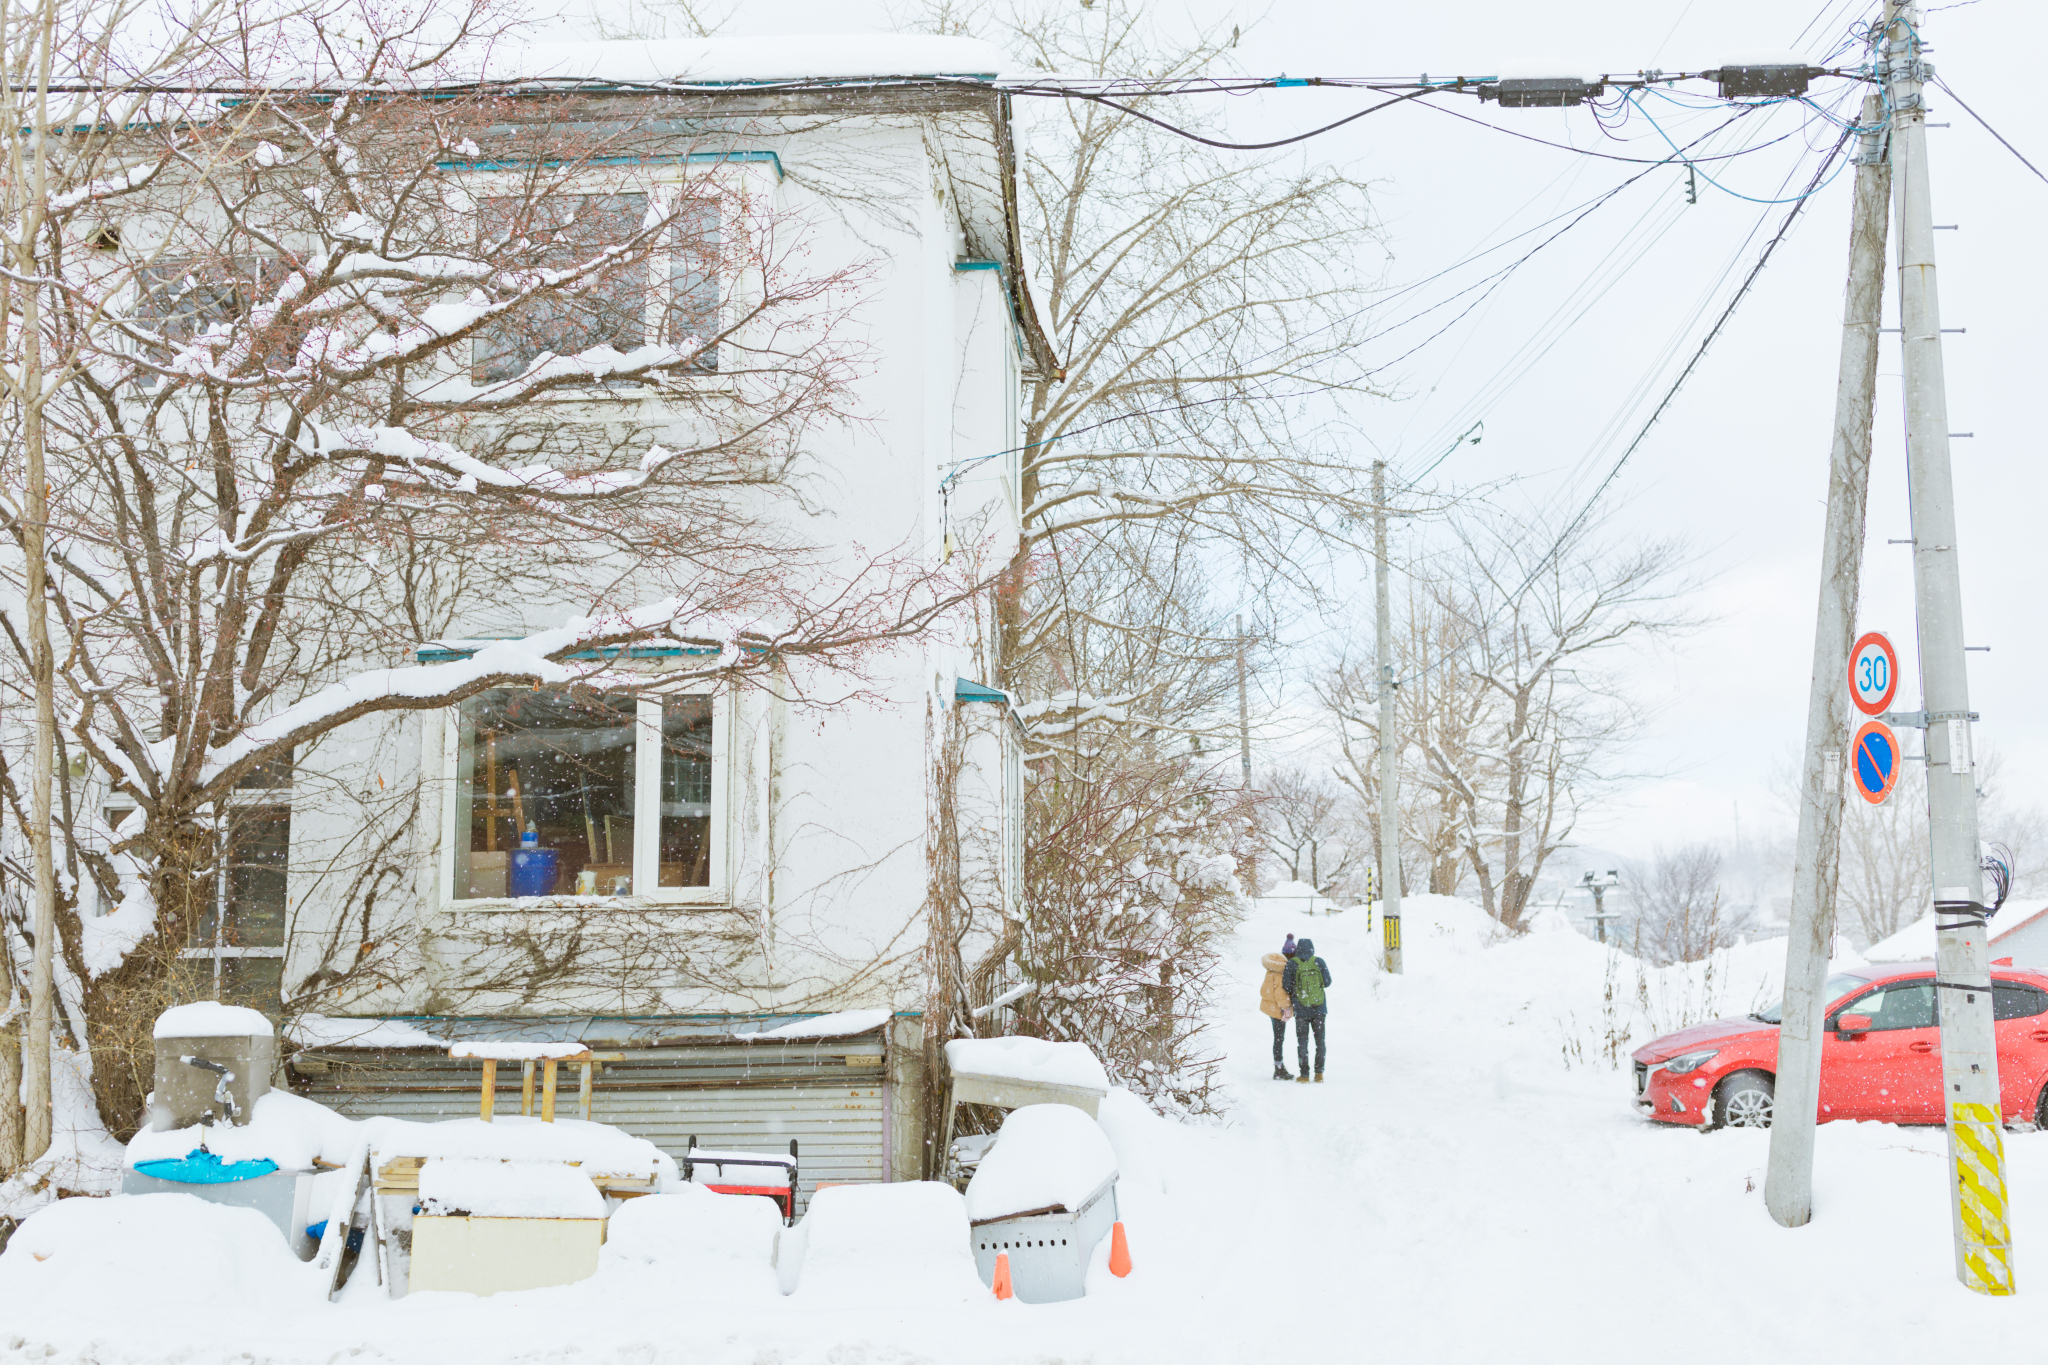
[{"x": 646, "y": 815}]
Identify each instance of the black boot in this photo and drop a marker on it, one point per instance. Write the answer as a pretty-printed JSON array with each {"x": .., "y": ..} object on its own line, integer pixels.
[{"x": 1281, "y": 1073}]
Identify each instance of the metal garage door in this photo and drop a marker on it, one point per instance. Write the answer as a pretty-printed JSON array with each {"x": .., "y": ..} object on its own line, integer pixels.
[{"x": 831, "y": 1096}]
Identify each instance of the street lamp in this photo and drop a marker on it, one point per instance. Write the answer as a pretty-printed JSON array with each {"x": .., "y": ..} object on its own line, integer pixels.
[{"x": 1600, "y": 883}]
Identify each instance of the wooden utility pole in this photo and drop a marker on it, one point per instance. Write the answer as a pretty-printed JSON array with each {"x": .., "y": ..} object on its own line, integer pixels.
[{"x": 1788, "y": 1182}]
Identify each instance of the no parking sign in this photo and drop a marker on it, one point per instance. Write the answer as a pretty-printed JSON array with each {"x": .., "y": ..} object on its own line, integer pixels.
[{"x": 1874, "y": 759}]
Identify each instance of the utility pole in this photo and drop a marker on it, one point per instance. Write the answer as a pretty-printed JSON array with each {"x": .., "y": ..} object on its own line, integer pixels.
[
  {"x": 1390, "y": 780},
  {"x": 1600, "y": 886},
  {"x": 1969, "y": 1058},
  {"x": 1244, "y": 713},
  {"x": 1788, "y": 1181}
]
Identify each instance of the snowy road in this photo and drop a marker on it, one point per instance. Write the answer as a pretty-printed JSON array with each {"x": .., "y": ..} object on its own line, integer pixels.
[{"x": 1454, "y": 1192}]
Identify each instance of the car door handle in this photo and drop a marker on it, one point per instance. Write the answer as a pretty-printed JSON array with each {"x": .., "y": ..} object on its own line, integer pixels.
[
  {"x": 2041, "y": 1035},
  {"x": 1920, "y": 1047}
]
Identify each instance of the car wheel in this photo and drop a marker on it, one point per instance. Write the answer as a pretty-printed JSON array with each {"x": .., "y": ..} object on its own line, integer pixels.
[
  {"x": 1744, "y": 1101},
  {"x": 2041, "y": 1109}
]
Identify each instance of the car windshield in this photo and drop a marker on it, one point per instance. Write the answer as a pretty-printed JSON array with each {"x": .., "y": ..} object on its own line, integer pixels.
[{"x": 1840, "y": 984}]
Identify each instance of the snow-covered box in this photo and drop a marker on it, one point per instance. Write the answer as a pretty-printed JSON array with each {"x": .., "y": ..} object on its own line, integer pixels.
[{"x": 1044, "y": 1195}]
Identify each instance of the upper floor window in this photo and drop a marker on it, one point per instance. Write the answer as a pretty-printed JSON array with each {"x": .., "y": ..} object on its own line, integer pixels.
[
  {"x": 576, "y": 791},
  {"x": 182, "y": 299},
  {"x": 669, "y": 294}
]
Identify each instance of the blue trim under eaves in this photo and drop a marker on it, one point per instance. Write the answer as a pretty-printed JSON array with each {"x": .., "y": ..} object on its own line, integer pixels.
[
  {"x": 963, "y": 690},
  {"x": 680, "y": 158},
  {"x": 978, "y": 265}
]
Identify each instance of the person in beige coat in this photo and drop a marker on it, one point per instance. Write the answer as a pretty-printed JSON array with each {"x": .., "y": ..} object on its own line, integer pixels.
[{"x": 1273, "y": 1002}]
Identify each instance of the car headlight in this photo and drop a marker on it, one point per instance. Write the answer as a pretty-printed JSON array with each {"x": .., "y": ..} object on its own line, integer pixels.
[{"x": 1690, "y": 1061}]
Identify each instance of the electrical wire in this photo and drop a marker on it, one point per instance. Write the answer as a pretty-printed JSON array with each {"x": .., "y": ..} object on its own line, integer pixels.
[
  {"x": 1988, "y": 128},
  {"x": 1572, "y": 527}
]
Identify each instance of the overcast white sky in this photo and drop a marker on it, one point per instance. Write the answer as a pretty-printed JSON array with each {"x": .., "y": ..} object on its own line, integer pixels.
[{"x": 1738, "y": 464}]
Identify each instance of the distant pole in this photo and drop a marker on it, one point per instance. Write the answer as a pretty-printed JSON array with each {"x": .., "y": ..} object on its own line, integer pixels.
[
  {"x": 1244, "y": 711},
  {"x": 1788, "y": 1181},
  {"x": 1390, "y": 780},
  {"x": 1969, "y": 1058}
]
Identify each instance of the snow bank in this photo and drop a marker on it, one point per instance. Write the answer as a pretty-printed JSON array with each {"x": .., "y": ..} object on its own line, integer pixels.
[
  {"x": 1027, "y": 1059},
  {"x": 211, "y": 1019},
  {"x": 453, "y": 1186},
  {"x": 136, "y": 1251},
  {"x": 844, "y": 1024},
  {"x": 322, "y": 1030},
  {"x": 283, "y": 1127},
  {"x": 900, "y": 1244},
  {"x": 1045, "y": 1155},
  {"x": 704, "y": 1246}
]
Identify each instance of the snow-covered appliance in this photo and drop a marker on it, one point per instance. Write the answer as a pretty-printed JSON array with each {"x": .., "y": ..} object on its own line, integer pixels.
[{"x": 1045, "y": 1196}]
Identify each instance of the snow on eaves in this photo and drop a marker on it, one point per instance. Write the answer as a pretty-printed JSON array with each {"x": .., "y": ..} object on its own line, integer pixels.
[{"x": 742, "y": 60}]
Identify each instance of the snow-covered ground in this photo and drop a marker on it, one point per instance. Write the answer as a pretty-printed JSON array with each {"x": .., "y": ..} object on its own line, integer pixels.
[{"x": 1470, "y": 1184}]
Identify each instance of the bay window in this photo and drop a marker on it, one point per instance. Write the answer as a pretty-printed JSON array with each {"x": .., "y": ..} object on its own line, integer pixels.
[{"x": 582, "y": 791}]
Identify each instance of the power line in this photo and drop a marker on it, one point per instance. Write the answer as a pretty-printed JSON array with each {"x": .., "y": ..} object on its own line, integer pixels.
[
  {"x": 1572, "y": 527},
  {"x": 1988, "y": 128}
]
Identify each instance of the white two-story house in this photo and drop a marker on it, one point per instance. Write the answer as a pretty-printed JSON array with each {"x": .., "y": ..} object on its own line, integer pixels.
[{"x": 657, "y": 874}]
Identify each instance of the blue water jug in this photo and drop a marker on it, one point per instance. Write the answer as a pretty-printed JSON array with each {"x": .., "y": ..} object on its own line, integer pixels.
[{"x": 533, "y": 871}]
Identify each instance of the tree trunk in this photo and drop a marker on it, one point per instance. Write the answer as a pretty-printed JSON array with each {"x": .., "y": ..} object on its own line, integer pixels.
[
  {"x": 121, "y": 1005},
  {"x": 10, "y": 1098}
]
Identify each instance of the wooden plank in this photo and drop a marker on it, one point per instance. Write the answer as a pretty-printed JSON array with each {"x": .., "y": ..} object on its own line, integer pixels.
[
  {"x": 547, "y": 1090},
  {"x": 526, "y": 1090},
  {"x": 586, "y": 1091},
  {"x": 490, "y": 1095}
]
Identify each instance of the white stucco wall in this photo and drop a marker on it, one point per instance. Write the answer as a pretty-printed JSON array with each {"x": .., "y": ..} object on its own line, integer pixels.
[{"x": 827, "y": 797}]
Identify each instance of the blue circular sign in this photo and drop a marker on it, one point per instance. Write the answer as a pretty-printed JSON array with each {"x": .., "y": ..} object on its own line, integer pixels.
[{"x": 1874, "y": 759}]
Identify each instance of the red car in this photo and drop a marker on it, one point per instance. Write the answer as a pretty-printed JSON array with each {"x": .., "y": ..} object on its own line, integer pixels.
[{"x": 1880, "y": 1057}]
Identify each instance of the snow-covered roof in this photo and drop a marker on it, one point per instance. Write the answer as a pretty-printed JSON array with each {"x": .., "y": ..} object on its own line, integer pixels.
[
  {"x": 322, "y": 1030},
  {"x": 751, "y": 60},
  {"x": 1027, "y": 1059},
  {"x": 1916, "y": 940},
  {"x": 844, "y": 1024}
]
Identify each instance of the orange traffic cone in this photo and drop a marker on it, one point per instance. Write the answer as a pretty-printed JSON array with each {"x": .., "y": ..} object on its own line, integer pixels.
[
  {"x": 1119, "y": 1252},
  {"x": 1002, "y": 1285}
]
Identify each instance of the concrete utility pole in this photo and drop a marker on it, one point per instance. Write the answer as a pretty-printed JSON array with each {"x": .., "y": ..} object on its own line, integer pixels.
[
  {"x": 1390, "y": 779},
  {"x": 1788, "y": 1182},
  {"x": 1969, "y": 1058},
  {"x": 1244, "y": 712}
]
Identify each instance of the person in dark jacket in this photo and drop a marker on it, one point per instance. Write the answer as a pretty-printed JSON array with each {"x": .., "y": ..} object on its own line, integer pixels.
[{"x": 1307, "y": 982}]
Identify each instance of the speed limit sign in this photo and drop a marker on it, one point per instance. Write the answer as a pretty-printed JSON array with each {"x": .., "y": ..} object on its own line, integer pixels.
[{"x": 1873, "y": 673}]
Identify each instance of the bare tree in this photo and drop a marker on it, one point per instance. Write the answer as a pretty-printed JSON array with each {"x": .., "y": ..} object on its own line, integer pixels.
[
  {"x": 326, "y": 398},
  {"x": 1679, "y": 906},
  {"x": 1312, "y": 827},
  {"x": 1513, "y": 722}
]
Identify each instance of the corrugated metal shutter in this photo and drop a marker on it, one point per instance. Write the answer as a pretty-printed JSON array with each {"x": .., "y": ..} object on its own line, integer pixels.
[{"x": 830, "y": 1096}]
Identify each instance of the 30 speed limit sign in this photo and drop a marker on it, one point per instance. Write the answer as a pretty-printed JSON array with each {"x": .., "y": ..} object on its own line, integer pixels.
[{"x": 1873, "y": 673}]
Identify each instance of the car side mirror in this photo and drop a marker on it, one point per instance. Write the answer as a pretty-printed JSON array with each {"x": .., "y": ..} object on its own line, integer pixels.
[{"x": 1852, "y": 1026}]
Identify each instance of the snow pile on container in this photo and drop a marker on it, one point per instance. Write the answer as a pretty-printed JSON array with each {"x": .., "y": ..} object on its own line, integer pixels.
[
  {"x": 860, "y": 1245},
  {"x": 1046, "y": 1156},
  {"x": 159, "y": 1249},
  {"x": 283, "y": 1128},
  {"x": 1027, "y": 1059},
  {"x": 703, "y": 1247},
  {"x": 478, "y": 1187},
  {"x": 211, "y": 1019}
]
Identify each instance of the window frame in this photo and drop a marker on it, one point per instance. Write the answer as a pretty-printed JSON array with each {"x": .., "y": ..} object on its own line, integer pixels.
[
  {"x": 647, "y": 893},
  {"x": 662, "y": 274},
  {"x": 1883, "y": 988}
]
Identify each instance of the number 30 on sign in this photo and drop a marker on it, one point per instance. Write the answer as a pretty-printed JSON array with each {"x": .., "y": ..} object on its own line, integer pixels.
[{"x": 1873, "y": 673}]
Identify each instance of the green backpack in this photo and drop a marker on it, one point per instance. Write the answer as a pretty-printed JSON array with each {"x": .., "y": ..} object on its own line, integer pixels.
[{"x": 1308, "y": 982}]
